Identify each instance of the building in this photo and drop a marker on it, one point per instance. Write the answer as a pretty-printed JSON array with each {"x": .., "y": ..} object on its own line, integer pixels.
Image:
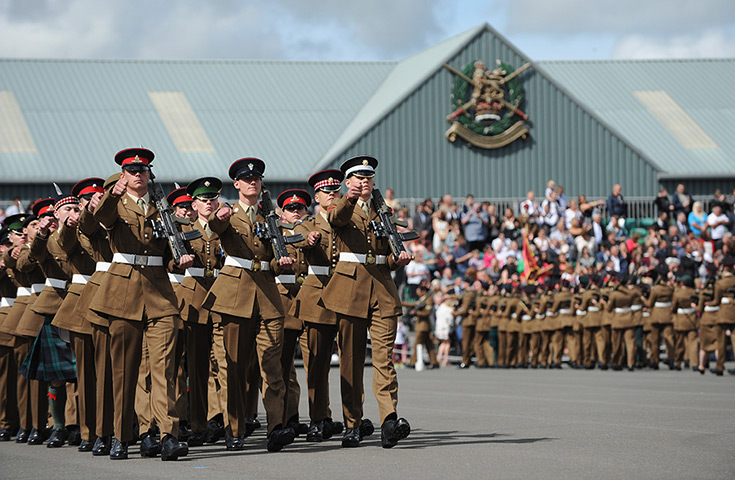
[{"x": 644, "y": 124}]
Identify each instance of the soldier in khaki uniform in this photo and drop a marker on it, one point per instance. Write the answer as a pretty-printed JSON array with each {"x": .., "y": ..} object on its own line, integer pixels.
[
  {"x": 485, "y": 352},
  {"x": 80, "y": 331},
  {"x": 320, "y": 323},
  {"x": 466, "y": 307},
  {"x": 559, "y": 318},
  {"x": 96, "y": 241},
  {"x": 709, "y": 329},
  {"x": 31, "y": 394},
  {"x": 659, "y": 307},
  {"x": 536, "y": 328},
  {"x": 623, "y": 335},
  {"x": 139, "y": 302},
  {"x": 246, "y": 296},
  {"x": 364, "y": 296},
  {"x": 503, "y": 316},
  {"x": 422, "y": 310},
  {"x": 725, "y": 299},
  {"x": 685, "y": 323},
  {"x": 8, "y": 368},
  {"x": 514, "y": 311},
  {"x": 193, "y": 289},
  {"x": 293, "y": 204}
]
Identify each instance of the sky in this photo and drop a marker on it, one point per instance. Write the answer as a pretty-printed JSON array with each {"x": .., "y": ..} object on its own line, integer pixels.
[{"x": 374, "y": 30}]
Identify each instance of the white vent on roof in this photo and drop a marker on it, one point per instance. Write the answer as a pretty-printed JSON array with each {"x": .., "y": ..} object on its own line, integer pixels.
[
  {"x": 181, "y": 122},
  {"x": 675, "y": 119},
  {"x": 15, "y": 136}
]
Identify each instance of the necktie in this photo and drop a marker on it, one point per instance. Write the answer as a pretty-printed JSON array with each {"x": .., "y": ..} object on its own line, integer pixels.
[
  {"x": 251, "y": 213},
  {"x": 366, "y": 209},
  {"x": 141, "y": 204},
  {"x": 207, "y": 230}
]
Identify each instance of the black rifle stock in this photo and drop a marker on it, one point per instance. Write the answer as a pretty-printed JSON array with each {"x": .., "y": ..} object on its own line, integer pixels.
[
  {"x": 270, "y": 231},
  {"x": 166, "y": 226},
  {"x": 386, "y": 227}
]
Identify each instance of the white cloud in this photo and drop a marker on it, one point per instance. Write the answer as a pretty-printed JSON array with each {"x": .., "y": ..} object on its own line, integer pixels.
[{"x": 714, "y": 43}]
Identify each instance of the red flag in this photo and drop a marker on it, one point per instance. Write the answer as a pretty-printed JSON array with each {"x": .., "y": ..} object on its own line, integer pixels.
[{"x": 529, "y": 262}]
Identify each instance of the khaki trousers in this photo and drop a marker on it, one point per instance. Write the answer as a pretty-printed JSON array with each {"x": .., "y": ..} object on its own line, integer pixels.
[
  {"x": 320, "y": 339},
  {"x": 291, "y": 399},
  {"x": 654, "y": 339},
  {"x": 544, "y": 346},
  {"x": 556, "y": 345},
  {"x": 8, "y": 392},
  {"x": 534, "y": 347},
  {"x": 198, "y": 352},
  {"x": 244, "y": 339},
  {"x": 126, "y": 353},
  {"x": 424, "y": 338},
  {"x": 482, "y": 347},
  {"x": 722, "y": 345},
  {"x": 468, "y": 335},
  {"x": 511, "y": 348},
  {"x": 83, "y": 349},
  {"x": 23, "y": 385},
  {"x": 588, "y": 351},
  {"x": 602, "y": 341},
  {"x": 502, "y": 347},
  {"x": 687, "y": 347},
  {"x": 217, "y": 382},
  {"x": 623, "y": 342},
  {"x": 104, "y": 400}
]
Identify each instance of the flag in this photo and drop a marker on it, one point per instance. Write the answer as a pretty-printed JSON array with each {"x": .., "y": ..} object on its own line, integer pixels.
[{"x": 529, "y": 260}]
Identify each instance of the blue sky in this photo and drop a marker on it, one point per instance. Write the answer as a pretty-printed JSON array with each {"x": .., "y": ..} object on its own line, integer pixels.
[{"x": 360, "y": 31}]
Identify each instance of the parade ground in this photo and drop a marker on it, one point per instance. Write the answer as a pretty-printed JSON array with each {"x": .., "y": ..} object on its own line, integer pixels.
[{"x": 476, "y": 423}]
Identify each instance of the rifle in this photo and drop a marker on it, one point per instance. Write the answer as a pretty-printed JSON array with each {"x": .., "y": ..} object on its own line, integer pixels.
[
  {"x": 270, "y": 230},
  {"x": 386, "y": 227},
  {"x": 421, "y": 302},
  {"x": 165, "y": 227}
]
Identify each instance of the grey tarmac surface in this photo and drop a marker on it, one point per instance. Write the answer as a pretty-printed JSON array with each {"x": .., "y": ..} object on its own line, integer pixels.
[{"x": 476, "y": 423}]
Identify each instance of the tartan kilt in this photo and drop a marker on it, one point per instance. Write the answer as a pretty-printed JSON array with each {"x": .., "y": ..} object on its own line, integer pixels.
[{"x": 50, "y": 357}]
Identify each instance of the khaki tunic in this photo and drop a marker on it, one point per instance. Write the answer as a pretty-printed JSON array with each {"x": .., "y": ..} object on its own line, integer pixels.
[
  {"x": 621, "y": 297},
  {"x": 682, "y": 299},
  {"x": 96, "y": 241},
  {"x": 725, "y": 299},
  {"x": 661, "y": 315},
  {"x": 192, "y": 290},
  {"x": 349, "y": 290}
]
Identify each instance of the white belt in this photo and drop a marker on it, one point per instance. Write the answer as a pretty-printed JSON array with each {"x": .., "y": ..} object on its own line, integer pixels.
[
  {"x": 581, "y": 312},
  {"x": 725, "y": 300},
  {"x": 635, "y": 308},
  {"x": 7, "y": 302},
  {"x": 318, "y": 270},
  {"x": 662, "y": 304},
  {"x": 199, "y": 272},
  {"x": 526, "y": 318},
  {"x": 245, "y": 263},
  {"x": 684, "y": 311},
  {"x": 646, "y": 314},
  {"x": 623, "y": 310},
  {"x": 711, "y": 308},
  {"x": 140, "y": 260},
  {"x": 56, "y": 283},
  {"x": 540, "y": 316},
  {"x": 175, "y": 277},
  {"x": 565, "y": 311},
  {"x": 360, "y": 258},
  {"x": 593, "y": 309},
  {"x": 102, "y": 266},
  {"x": 23, "y": 292},
  {"x": 549, "y": 313},
  {"x": 80, "y": 279},
  {"x": 37, "y": 287},
  {"x": 287, "y": 279},
  {"x": 514, "y": 315}
]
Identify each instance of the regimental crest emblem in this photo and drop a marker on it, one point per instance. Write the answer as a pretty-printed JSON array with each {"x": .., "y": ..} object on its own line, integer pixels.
[{"x": 486, "y": 105}]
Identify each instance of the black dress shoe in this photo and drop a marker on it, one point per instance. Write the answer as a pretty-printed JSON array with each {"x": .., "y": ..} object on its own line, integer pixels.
[
  {"x": 279, "y": 438},
  {"x": 630, "y": 369},
  {"x": 333, "y": 428},
  {"x": 232, "y": 443},
  {"x": 196, "y": 439},
  {"x": 85, "y": 446},
  {"x": 731, "y": 371},
  {"x": 57, "y": 438},
  {"x": 366, "y": 428},
  {"x": 351, "y": 438},
  {"x": 172, "y": 449},
  {"x": 184, "y": 432},
  {"x": 464, "y": 365},
  {"x": 119, "y": 450},
  {"x": 393, "y": 430},
  {"x": 215, "y": 431},
  {"x": 534, "y": 366},
  {"x": 250, "y": 427},
  {"x": 37, "y": 437},
  {"x": 298, "y": 427},
  {"x": 75, "y": 436},
  {"x": 4, "y": 435},
  {"x": 149, "y": 447},
  {"x": 715, "y": 371},
  {"x": 601, "y": 366},
  {"x": 21, "y": 436},
  {"x": 102, "y": 446},
  {"x": 316, "y": 432}
]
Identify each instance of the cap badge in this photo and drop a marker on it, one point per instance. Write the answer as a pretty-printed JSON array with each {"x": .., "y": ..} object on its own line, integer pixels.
[
  {"x": 250, "y": 166},
  {"x": 330, "y": 179},
  {"x": 137, "y": 159},
  {"x": 365, "y": 162},
  {"x": 206, "y": 183},
  {"x": 295, "y": 198}
]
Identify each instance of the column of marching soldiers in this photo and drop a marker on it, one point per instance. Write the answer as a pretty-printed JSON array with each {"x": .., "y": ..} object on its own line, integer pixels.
[
  {"x": 616, "y": 321},
  {"x": 115, "y": 335}
]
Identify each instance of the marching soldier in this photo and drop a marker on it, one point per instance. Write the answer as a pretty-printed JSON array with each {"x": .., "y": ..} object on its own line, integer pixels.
[
  {"x": 592, "y": 318},
  {"x": 246, "y": 297},
  {"x": 422, "y": 310},
  {"x": 709, "y": 329},
  {"x": 8, "y": 368},
  {"x": 623, "y": 340},
  {"x": 561, "y": 318},
  {"x": 484, "y": 351},
  {"x": 725, "y": 299},
  {"x": 465, "y": 310},
  {"x": 660, "y": 319},
  {"x": 140, "y": 303},
  {"x": 503, "y": 315},
  {"x": 293, "y": 204},
  {"x": 364, "y": 296},
  {"x": 320, "y": 323},
  {"x": 685, "y": 323}
]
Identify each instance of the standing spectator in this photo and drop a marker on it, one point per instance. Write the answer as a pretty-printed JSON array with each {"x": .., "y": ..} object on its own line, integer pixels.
[
  {"x": 549, "y": 214},
  {"x": 561, "y": 234},
  {"x": 441, "y": 230},
  {"x": 598, "y": 232},
  {"x": 718, "y": 223},
  {"x": 416, "y": 272},
  {"x": 461, "y": 255},
  {"x": 444, "y": 324},
  {"x": 422, "y": 222},
  {"x": 550, "y": 188},
  {"x": 681, "y": 200},
  {"x": 474, "y": 222},
  {"x": 589, "y": 208},
  {"x": 573, "y": 212},
  {"x": 682, "y": 225},
  {"x": 15, "y": 208},
  {"x": 493, "y": 224},
  {"x": 561, "y": 199},
  {"x": 469, "y": 201},
  {"x": 663, "y": 204},
  {"x": 388, "y": 196},
  {"x": 697, "y": 219},
  {"x": 616, "y": 206}
]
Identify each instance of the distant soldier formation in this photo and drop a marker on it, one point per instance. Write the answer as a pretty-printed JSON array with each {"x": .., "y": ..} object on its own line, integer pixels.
[{"x": 133, "y": 317}]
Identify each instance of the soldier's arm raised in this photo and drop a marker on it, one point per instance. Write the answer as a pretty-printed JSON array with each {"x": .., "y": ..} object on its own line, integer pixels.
[
  {"x": 67, "y": 238},
  {"x": 340, "y": 213},
  {"x": 26, "y": 262},
  {"x": 106, "y": 211},
  {"x": 219, "y": 220}
]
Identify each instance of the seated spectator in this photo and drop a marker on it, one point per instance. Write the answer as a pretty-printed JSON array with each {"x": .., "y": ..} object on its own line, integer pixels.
[
  {"x": 662, "y": 222},
  {"x": 560, "y": 233},
  {"x": 549, "y": 215},
  {"x": 510, "y": 225},
  {"x": 589, "y": 208},
  {"x": 571, "y": 213},
  {"x": 390, "y": 201},
  {"x": 561, "y": 199},
  {"x": 494, "y": 224},
  {"x": 697, "y": 219},
  {"x": 541, "y": 241},
  {"x": 461, "y": 255},
  {"x": 586, "y": 259},
  {"x": 447, "y": 279}
]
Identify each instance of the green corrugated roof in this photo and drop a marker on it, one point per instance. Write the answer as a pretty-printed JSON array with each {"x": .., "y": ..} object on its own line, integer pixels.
[
  {"x": 701, "y": 88},
  {"x": 80, "y": 113}
]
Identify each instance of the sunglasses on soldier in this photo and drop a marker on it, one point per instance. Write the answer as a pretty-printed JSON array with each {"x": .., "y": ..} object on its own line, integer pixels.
[{"x": 294, "y": 207}]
